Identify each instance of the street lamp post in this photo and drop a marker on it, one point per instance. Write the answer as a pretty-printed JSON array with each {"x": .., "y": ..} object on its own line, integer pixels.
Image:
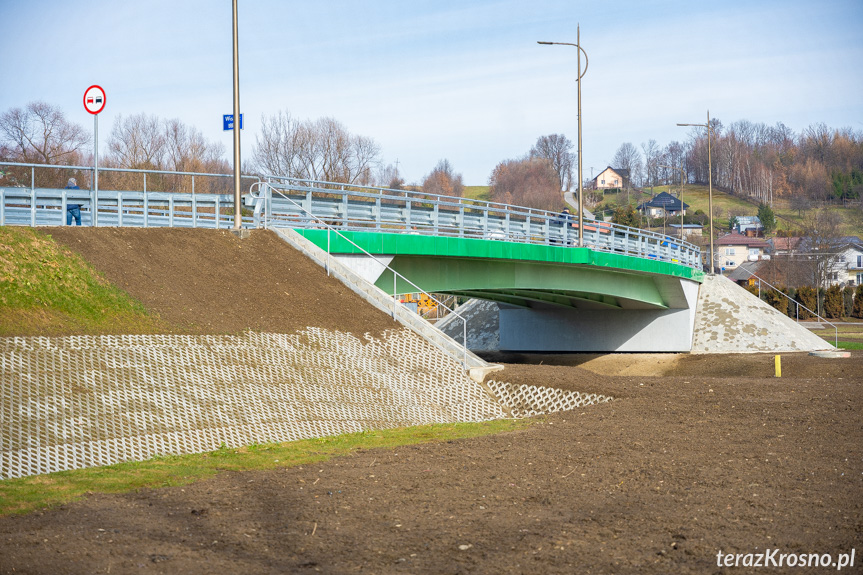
[
  {"x": 682, "y": 176},
  {"x": 580, "y": 179},
  {"x": 709, "y": 186},
  {"x": 237, "y": 211}
]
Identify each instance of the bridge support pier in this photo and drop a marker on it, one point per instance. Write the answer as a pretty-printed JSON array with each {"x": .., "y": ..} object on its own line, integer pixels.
[{"x": 562, "y": 330}]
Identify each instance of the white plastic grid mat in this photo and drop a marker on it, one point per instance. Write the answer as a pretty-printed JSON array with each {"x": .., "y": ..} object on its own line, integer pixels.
[
  {"x": 530, "y": 400},
  {"x": 81, "y": 401}
]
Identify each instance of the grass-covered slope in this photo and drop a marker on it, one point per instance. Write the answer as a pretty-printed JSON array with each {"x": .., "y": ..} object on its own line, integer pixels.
[{"x": 47, "y": 290}]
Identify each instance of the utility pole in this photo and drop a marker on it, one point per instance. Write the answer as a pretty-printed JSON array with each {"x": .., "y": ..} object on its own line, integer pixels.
[{"x": 238, "y": 216}]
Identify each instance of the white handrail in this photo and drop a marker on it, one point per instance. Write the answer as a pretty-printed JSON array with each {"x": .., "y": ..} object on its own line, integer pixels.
[
  {"x": 799, "y": 305},
  {"x": 396, "y": 275}
]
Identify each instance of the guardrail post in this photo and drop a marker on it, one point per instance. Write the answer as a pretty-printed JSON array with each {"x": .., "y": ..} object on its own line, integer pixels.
[
  {"x": 377, "y": 214},
  {"x": 345, "y": 209},
  {"x": 120, "y": 209},
  {"x": 171, "y": 211},
  {"x": 217, "y": 211},
  {"x": 146, "y": 205},
  {"x": 395, "y": 302},
  {"x": 33, "y": 197}
]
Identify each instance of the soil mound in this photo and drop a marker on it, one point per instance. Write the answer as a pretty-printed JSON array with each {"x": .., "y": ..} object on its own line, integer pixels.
[{"x": 211, "y": 282}]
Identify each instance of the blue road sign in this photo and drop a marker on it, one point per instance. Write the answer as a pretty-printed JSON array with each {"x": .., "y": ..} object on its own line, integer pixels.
[{"x": 228, "y": 122}]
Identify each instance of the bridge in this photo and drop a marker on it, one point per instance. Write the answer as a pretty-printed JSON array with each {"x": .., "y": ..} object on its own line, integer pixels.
[{"x": 623, "y": 289}]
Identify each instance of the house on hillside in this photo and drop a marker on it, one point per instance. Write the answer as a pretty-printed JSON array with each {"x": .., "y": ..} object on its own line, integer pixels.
[
  {"x": 733, "y": 249},
  {"x": 749, "y": 226},
  {"x": 746, "y": 274},
  {"x": 662, "y": 204},
  {"x": 784, "y": 246},
  {"x": 851, "y": 262},
  {"x": 610, "y": 178},
  {"x": 690, "y": 231},
  {"x": 843, "y": 259}
]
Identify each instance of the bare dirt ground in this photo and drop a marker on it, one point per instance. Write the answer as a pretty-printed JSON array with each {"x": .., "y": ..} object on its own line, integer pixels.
[{"x": 695, "y": 455}]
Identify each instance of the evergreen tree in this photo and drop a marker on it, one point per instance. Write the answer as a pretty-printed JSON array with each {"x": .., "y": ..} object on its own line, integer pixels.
[
  {"x": 806, "y": 295},
  {"x": 767, "y": 217},
  {"x": 858, "y": 303},
  {"x": 834, "y": 304}
]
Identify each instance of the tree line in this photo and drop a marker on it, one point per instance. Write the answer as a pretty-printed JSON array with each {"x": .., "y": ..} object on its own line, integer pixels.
[
  {"x": 320, "y": 149},
  {"x": 757, "y": 161},
  {"x": 749, "y": 159}
]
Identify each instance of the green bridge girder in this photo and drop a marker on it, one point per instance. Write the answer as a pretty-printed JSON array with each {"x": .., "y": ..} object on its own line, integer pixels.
[{"x": 514, "y": 273}]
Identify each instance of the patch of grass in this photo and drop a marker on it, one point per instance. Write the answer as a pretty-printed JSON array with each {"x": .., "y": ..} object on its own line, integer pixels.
[
  {"x": 47, "y": 290},
  {"x": 851, "y": 344},
  {"x": 41, "y": 491},
  {"x": 480, "y": 193}
]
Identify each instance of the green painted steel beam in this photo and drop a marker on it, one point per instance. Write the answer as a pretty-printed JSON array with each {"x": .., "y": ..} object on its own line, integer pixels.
[
  {"x": 412, "y": 244},
  {"x": 440, "y": 274},
  {"x": 511, "y": 272}
]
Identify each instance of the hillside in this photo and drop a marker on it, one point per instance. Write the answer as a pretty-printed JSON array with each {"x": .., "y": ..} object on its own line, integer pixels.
[{"x": 182, "y": 281}]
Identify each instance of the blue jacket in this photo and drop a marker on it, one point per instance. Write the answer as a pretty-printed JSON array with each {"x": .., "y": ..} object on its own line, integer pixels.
[{"x": 73, "y": 206}]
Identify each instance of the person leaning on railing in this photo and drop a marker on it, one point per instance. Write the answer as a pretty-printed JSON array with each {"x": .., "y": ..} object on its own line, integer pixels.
[
  {"x": 563, "y": 219},
  {"x": 73, "y": 210}
]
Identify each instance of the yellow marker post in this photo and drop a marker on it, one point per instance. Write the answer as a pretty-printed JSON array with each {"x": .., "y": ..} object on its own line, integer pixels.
[{"x": 778, "y": 362}]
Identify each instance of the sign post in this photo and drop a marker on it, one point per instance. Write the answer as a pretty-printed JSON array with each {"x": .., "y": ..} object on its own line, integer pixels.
[{"x": 94, "y": 102}]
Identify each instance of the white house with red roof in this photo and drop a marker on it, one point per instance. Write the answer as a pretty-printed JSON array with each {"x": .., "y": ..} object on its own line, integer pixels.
[{"x": 733, "y": 249}]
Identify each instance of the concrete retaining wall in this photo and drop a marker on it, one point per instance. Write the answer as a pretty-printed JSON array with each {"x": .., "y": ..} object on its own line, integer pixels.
[{"x": 729, "y": 319}]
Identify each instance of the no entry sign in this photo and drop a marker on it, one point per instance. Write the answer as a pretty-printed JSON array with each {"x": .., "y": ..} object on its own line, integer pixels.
[{"x": 94, "y": 99}]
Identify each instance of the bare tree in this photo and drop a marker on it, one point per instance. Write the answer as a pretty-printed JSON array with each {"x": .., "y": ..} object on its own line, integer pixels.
[
  {"x": 531, "y": 182},
  {"x": 278, "y": 145},
  {"x": 443, "y": 181},
  {"x": 41, "y": 134},
  {"x": 628, "y": 158},
  {"x": 651, "y": 161},
  {"x": 557, "y": 149},
  {"x": 322, "y": 149},
  {"x": 822, "y": 244},
  {"x": 388, "y": 176},
  {"x": 137, "y": 142},
  {"x": 186, "y": 150}
]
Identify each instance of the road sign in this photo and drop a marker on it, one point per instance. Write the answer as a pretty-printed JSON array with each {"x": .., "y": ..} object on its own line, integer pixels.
[
  {"x": 94, "y": 99},
  {"x": 228, "y": 122}
]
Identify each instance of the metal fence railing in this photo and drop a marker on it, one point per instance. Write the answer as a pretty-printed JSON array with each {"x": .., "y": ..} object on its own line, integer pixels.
[
  {"x": 177, "y": 203},
  {"x": 362, "y": 208},
  {"x": 798, "y": 304},
  {"x": 172, "y": 199}
]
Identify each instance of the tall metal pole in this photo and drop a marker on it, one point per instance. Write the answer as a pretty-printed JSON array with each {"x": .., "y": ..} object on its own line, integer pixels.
[
  {"x": 580, "y": 178},
  {"x": 709, "y": 187},
  {"x": 95, "y": 208},
  {"x": 580, "y": 183},
  {"x": 710, "y": 196},
  {"x": 237, "y": 214}
]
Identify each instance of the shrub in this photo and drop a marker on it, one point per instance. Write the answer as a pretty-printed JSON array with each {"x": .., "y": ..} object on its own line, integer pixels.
[
  {"x": 806, "y": 295},
  {"x": 857, "y": 310},
  {"x": 777, "y": 300},
  {"x": 834, "y": 303},
  {"x": 848, "y": 296}
]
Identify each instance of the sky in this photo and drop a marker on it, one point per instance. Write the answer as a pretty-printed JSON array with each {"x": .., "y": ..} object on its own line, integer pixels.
[{"x": 460, "y": 80}]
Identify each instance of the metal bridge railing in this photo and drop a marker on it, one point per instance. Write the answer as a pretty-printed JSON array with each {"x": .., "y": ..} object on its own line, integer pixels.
[
  {"x": 363, "y": 208},
  {"x": 347, "y": 207},
  {"x": 44, "y": 206}
]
